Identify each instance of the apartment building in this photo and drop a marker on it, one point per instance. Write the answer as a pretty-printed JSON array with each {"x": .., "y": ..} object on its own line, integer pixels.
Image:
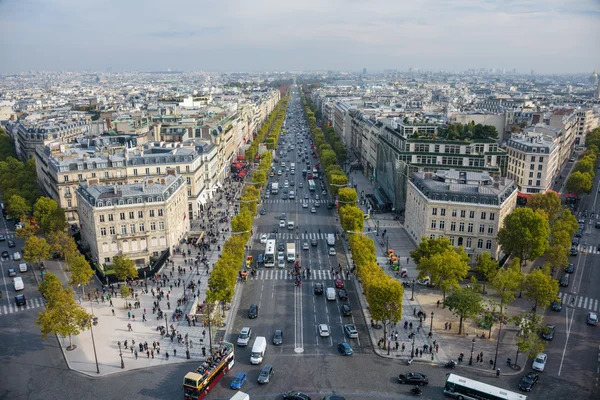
[
  {"x": 566, "y": 121},
  {"x": 534, "y": 159},
  {"x": 342, "y": 122},
  {"x": 587, "y": 121},
  {"x": 38, "y": 132},
  {"x": 467, "y": 207},
  {"x": 119, "y": 160},
  {"x": 139, "y": 220}
]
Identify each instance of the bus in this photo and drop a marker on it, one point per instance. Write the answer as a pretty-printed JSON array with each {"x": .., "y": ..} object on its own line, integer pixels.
[
  {"x": 270, "y": 253},
  {"x": 469, "y": 389},
  {"x": 197, "y": 384},
  {"x": 311, "y": 185}
]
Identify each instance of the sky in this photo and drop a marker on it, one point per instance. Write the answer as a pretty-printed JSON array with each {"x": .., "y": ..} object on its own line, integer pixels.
[{"x": 547, "y": 36}]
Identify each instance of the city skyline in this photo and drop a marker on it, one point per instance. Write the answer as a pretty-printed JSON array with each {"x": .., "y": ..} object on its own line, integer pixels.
[{"x": 544, "y": 36}]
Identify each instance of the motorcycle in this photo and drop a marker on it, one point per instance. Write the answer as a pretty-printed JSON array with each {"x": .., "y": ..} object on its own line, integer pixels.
[
  {"x": 450, "y": 364},
  {"x": 417, "y": 391}
]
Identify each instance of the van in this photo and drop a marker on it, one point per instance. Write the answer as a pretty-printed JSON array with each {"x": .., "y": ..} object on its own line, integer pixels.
[
  {"x": 330, "y": 293},
  {"x": 23, "y": 267},
  {"x": 291, "y": 225},
  {"x": 244, "y": 336},
  {"x": 17, "y": 256},
  {"x": 240, "y": 396},
  {"x": 258, "y": 350},
  {"x": 18, "y": 283},
  {"x": 292, "y": 195}
]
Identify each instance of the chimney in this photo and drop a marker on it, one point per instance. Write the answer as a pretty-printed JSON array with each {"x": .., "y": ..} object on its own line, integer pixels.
[
  {"x": 94, "y": 181},
  {"x": 171, "y": 171}
]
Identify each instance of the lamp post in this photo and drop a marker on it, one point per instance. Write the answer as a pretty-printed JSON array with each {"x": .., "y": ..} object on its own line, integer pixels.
[
  {"x": 412, "y": 297},
  {"x": 472, "y": 348},
  {"x": 412, "y": 352},
  {"x": 121, "y": 354},
  {"x": 431, "y": 325},
  {"x": 377, "y": 234},
  {"x": 93, "y": 341}
]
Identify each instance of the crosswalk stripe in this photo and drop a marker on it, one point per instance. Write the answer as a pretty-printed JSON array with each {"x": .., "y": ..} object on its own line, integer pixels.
[
  {"x": 595, "y": 305},
  {"x": 585, "y": 302},
  {"x": 580, "y": 301}
]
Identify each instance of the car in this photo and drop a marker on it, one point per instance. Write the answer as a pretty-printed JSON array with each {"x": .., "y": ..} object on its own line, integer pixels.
[
  {"x": 574, "y": 251},
  {"x": 244, "y": 336},
  {"x": 263, "y": 238},
  {"x": 581, "y": 221},
  {"x": 265, "y": 374},
  {"x": 342, "y": 295},
  {"x": 306, "y": 195},
  {"x": 592, "y": 318},
  {"x": 20, "y": 300},
  {"x": 345, "y": 349},
  {"x": 283, "y": 217},
  {"x": 351, "y": 331},
  {"x": 253, "y": 311},
  {"x": 346, "y": 310},
  {"x": 19, "y": 225},
  {"x": 338, "y": 283},
  {"x": 318, "y": 288},
  {"x": 238, "y": 381},
  {"x": 548, "y": 332},
  {"x": 278, "y": 337},
  {"x": 330, "y": 206},
  {"x": 284, "y": 196},
  {"x": 2, "y": 238},
  {"x": 5, "y": 254},
  {"x": 280, "y": 255},
  {"x": 323, "y": 330},
  {"x": 294, "y": 395},
  {"x": 539, "y": 362},
  {"x": 317, "y": 203},
  {"x": 313, "y": 210},
  {"x": 333, "y": 397},
  {"x": 528, "y": 381},
  {"x": 278, "y": 172},
  {"x": 564, "y": 281},
  {"x": 267, "y": 196},
  {"x": 317, "y": 197},
  {"x": 280, "y": 263},
  {"x": 314, "y": 242},
  {"x": 301, "y": 185},
  {"x": 280, "y": 247},
  {"x": 305, "y": 246},
  {"x": 556, "y": 305},
  {"x": 11, "y": 243},
  {"x": 574, "y": 242},
  {"x": 23, "y": 267},
  {"x": 282, "y": 224},
  {"x": 12, "y": 272},
  {"x": 572, "y": 159},
  {"x": 263, "y": 211},
  {"x": 324, "y": 192},
  {"x": 579, "y": 234},
  {"x": 332, "y": 251},
  {"x": 569, "y": 269},
  {"x": 413, "y": 378}
]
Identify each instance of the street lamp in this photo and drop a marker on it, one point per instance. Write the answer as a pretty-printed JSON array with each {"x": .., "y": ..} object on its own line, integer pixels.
[
  {"x": 121, "y": 354},
  {"x": 377, "y": 234},
  {"x": 93, "y": 341},
  {"x": 412, "y": 352},
  {"x": 412, "y": 297},
  {"x": 431, "y": 326},
  {"x": 472, "y": 347}
]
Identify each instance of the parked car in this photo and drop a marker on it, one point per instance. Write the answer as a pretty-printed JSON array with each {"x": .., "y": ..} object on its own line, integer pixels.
[
  {"x": 295, "y": 395},
  {"x": 528, "y": 381},
  {"x": 548, "y": 332},
  {"x": 539, "y": 363},
  {"x": 564, "y": 281},
  {"x": 12, "y": 272},
  {"x": 556, "y": 305},
  {"x": 11, "y": 243}
]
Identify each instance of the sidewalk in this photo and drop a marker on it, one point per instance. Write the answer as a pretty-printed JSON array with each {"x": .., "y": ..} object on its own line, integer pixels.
[{"x": 451, "y": 345}]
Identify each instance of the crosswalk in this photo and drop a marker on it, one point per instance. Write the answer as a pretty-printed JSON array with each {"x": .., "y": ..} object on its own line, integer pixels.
[
  {"x": 587, "y": 249},
  {"x": 296, "y": 200},
  {"x": 266, "y": 274},
  {"x": 9, "y": 236},
  {"x": 584, "y": 302},
  {"x": 302, "y": 236},
  {"x": 13, "y": 308}
]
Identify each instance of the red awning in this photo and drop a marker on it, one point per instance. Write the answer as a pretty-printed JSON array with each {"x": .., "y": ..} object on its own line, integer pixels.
[
  {"x": 240, "y": 157},
  {"x": 525, "y": 195}
]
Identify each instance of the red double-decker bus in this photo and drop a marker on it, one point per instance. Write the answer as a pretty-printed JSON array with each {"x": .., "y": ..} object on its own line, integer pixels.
[{"x": 197, "y": 384}]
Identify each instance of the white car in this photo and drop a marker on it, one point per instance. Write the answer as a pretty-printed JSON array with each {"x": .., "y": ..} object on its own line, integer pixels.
[
  {"x": 332, "y": 251},
  {"x": 282, "y": 223},
  {"x": 313, "y": 210},
  {"x": 539, "y": 362},
  {"x": 263, "y": 238},
  {"x": 280, "y": 255},
  {"x": 351, "y": 331},
  {"x": 323, "y": 330},
  {"x": 304, "y": 205},
  {"x": 317, "y": 197},
  {"x": 281, "y": 263},
  {"x": 425, "y": 281},
  {"x": 305, "y": 246}
]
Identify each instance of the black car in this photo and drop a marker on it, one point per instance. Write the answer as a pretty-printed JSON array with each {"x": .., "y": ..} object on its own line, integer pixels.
[
  {"x": 346, "y": 310},
  {"x": 528, "y": 381},
  {"x": 413, "y": 378},
  {"x": 569, "y": 269},
  {"x": 253, "y": 311},
  {"x": 20, "y": 300},
  {"x": 281, "y": 247},
  {"x": 564, "y": 281},
  {"x": 5, "y": 254},
  {"x": 318, "y": 288},
  {"x": 294, "y": 395},
  {"x": 342, "y": 294},
  {"x": 314, "y": 242},
  {"x": 556, "y": 305},
  {"x": 11, "y": 243},
  {"x": 548, "y": 332},
  {"x": 265, "y": 374},
  {"x": 278, "y": 337},
  {"x": 575, "y": 241}
]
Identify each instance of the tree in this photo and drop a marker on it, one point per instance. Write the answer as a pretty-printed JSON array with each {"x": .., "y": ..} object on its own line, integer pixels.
[
  {"x": 81, "y": 272},
  {"x": 486, "y": 266},
  {"x": 385, "y": 301},
  {"x": 18, "y": 207},
  {"x": 125, "y": 292},
  {"x": 507, "y": 282},
  {"x": 49, "y": 215},
  {"x": 124, "y": 268},
  {"x": 528, "y": 339},
  {"x": 64, "y": 317},
  {"x": 464, "y": 303},
  {"x": 429, "y": 247},
  {"x": 540, "y": 288},
  {"x": 29, "y": 229},
  {"x": 524, "y": 234},
  {"x": 63, "y": 244},
  {"x": 352, "y": 218},
  {"x": 347, "y": 196},
  {"x": 580, "y": 182},
  {"x": 445, "y": 269},
  {"x": 36, "y": 250},
  {"x": 548, "y": 202},
  {"x": 50, "y": 287}
]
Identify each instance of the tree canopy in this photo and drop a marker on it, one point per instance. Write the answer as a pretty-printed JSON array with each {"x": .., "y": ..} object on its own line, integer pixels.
[
  {"x": 124, "y": 268},
  {"x": 464, "y": 303},
  {"x": 524, "y": 234}
]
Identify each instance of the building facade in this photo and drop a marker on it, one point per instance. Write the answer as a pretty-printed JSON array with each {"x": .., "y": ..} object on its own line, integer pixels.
[
  {"x": 29, "y": 135},
  {"x": 467, "y": 207},
  {"x": 139, "y": 220}
]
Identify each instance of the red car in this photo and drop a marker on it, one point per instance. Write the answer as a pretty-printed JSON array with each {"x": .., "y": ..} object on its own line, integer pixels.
[{"x": 339, "y": 284}]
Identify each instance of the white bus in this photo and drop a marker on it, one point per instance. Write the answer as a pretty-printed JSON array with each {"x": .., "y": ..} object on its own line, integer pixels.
[
  {"x": 270, "y": 253},
  {"x": 468, "y": 389}
]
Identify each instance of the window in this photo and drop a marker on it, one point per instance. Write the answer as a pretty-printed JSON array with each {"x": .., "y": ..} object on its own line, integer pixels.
[
  {"x": 452, "y": 240},
  {"x": 161, "y": 225},
  {"x": 93, "y": 174},
  {"x": 454, "y": 213},
  {"x": 135, "y": 172},
  {"x": 537, "y": 183},
  {"x": 433, "y": 224},
  {"x": 432, "y": 236},
  {"x": 66, "y": 178},
  {"x": 540, "y": 167},
  {"x": 189, "y": 193},
  {"x": 110, "y": 217},
  {"x": 529, "y": 182},
  {"x": 463, "y": 213},
  {"x": 452, "y": 226},
  {"x": 80, "y": 177},
  {"x": 106, "y": 259},
  {"x": 434, "y": 211},
  {"x": 492, "y": 216},
  {"x": 160, "y": 212},
  {"x": 132, "y": 228},
  {"x": 532, "y": 158},
  {"x": 102, "y": 218},
  {"x": 491, "y": 230},
  {"x": 158, "y": 170},
  {"x": 123, "y": 229},
  {"x": 147, "y": 171},
  {"x": 531, "y": 166},
  {"x": 152, "y": 226},
  {"x": 471, "y": 214},
  {"x": 188, "y": 180},
  {"x": 460, "y": 241},
  {"x": 122, "y": 216},
  {"x": 468, "y": 246},
  {"x": 140, "y": 214},
  {"x": 103, "y": 231},
  {"x": 152, "y": 213},
  {"x": 443, "y": 212},
  {"x": 539, "y": 175},
  {"x": 488, "y": 245},
  {"x": 112, "y": 230},
  {"x": 442, "y": 225},
  {"x": 470, "y": 227},
  {"x": 531, "y": 174},
  {"x": 480, "y": 244},
  {"x": 142, "y": 228},
  {"x": 106, "y": 174},
  {"x": 461, "y": 227},
  {"x": 481, "y": 228},
  {"x": 69, "y": 204}
]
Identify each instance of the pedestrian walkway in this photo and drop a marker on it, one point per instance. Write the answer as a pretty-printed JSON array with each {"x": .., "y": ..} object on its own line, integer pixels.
[
  {"x": 584, "y": 302},
  {"x": 31, "y": 304}
]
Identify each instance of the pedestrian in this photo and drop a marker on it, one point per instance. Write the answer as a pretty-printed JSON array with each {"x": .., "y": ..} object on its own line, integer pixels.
[
  {"x": 481, "y": 356},
  {"x": 174, "y": 352},
  {"x": 432, "y": 356},
  {"x": 403, "y": 346},
  {"x": 110, "y": 302},
  {"x": 438, "y": 304},
  {"x": 397, "y": 345},
  {"x": 167, "y": 355},
  {"x": 148, "y": 353},
  {"x": 492, "y": 364},
  {"x": 420, "y": 353},
  {"x": 437, "y": 348},
  {"x": 497, "y": 372},
  {"x": 152, "y": 353},
  {"x": 450, "y": 326},
  {"x": 136, "y": 354},
  {"x": 144, "y": 317},
  {"x": 477, "y": 357},
  {"x": 414, "y": 312},
  {"x": 128, "y": 315},
  {"x": 129, "y": 327},
  {"x": 446, "y": 326},
  {"x": 396, "y": 336},
  {"x": 131, "y": 347},
  {"x": 113, "y": 312}
]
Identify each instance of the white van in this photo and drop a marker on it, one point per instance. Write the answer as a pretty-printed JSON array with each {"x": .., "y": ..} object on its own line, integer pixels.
[
  {"x": 240, "y": 396},
  {"x": 18, "y": 283},
  {"x": 330, "y": 293},
  {"x": 258, "y": 350},
  {"x": 23, "y": 267},
  {"x": 291, "y": 225},
  {"x": 17, "y": 256}
]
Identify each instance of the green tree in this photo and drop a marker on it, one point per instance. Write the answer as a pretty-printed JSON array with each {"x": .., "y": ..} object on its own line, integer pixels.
[
  {"x": 429, "y": 247},
  {"x": 352, "y": 218},
  {"x": 49, "y": 215},
  {"x": 487, "y": 267},
  {"x": 125, "y": 293},
  {"x": 124, "y": 268},
  {"x": 385, "y": 301},
  {"x": 81, "y": 272},
  {"x": 63, "y": 244},
  {"x": 528, "y": 339},
  {"x": 464, "y": 303},
  {"x": 347, "y": 196},
  {"x": 445, "y": 269},
  {"x": 7, "y": 146},
  {"x": 36, "y": 250},
  {"x": 548, "y": 202},
  {"x": 580, "y": 182},
  {"x": 50, "y": 287},
  {"x": 524, "y": 234},
  {"x": 64, "y": 317},
  {"x": 18, "y": 207},
  {"x": 507, "y": 282},
  {"x": 540, "y": 288}
]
